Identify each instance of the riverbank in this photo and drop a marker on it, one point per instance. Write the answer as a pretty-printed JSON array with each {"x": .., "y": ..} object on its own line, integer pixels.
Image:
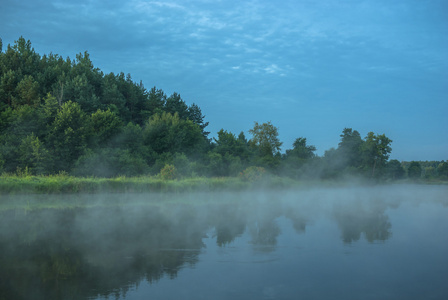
[{"x": 65, "y": 184}]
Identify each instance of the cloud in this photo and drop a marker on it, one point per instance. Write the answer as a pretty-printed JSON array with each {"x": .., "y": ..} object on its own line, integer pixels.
[{"x": 324, "y": 51}]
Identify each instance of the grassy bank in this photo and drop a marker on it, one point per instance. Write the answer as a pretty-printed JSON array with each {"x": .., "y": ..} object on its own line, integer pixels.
[{"x": 64, "y": 184}]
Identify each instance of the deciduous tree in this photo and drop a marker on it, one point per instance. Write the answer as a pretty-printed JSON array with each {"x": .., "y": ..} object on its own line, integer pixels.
[{"x": 265, "y": 139}]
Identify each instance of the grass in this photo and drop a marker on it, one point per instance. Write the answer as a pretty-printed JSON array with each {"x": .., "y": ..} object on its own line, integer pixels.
[{"x": 64, "y": 184}]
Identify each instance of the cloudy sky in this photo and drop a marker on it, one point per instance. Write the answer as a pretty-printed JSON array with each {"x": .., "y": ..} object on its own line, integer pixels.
[{"x": 312, "y": 68}]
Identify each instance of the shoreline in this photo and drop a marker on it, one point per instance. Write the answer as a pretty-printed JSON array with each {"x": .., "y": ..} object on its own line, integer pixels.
[{"x": 64, "y": 184}]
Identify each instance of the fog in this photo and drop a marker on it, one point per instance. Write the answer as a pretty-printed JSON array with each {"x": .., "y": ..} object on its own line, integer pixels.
[{"x": 107, "y": 246}]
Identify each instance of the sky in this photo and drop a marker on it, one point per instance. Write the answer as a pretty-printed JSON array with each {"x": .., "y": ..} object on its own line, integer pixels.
[{"x": 311, "y": 68}]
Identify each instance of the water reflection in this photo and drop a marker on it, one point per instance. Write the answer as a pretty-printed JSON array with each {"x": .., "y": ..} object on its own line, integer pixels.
[
  {"x": 83, "y": 253},
  {"x": 357, "y": 219},
  {"x": 78, "y": 253}
]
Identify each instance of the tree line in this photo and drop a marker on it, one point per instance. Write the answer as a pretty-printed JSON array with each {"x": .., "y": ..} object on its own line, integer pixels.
[{"x": 64, "y": 115}]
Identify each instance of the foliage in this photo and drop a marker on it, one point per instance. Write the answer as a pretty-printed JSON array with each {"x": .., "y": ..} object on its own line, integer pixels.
[
  {"x": 253, "y": 174},
  {"x": 110, "y": 162},
  {"x": 375, "y": 152},
  {"x": 168, "y": 172},
  {"x": 265, "y": 139},
  {"x": 64, "y": 115},
  {"x": 394, "y": 169},
  {"x": 69, "y": 135},
  {"x": 106, "y": 126},
  {"x": 414, "y": 170},
  {"x": 33, "y": 155},
  {"x": 350, "y": 148},
  {"x": 442, "y": 170},
  {"x": 168, "y": 133}
]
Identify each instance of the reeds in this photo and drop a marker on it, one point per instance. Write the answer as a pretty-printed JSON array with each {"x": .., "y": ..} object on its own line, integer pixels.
[{"x": 65, "y": 184}]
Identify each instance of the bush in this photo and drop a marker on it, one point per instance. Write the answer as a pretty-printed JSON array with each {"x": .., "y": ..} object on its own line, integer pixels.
[
  {"x": 182, "y": 164},
  {"x": 414, "y": 170},
  {"x": 252, "y": 174},
  {"x": 168, "y": 172},
  {"x": 109, "y": 163}
]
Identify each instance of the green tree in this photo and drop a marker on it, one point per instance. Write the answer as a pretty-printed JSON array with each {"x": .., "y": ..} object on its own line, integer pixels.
[
  {"x": 174, "y": 104},
  {"x": 156, "y": 101},
  {"x": 182, "y": 164},
  {"x": 375, "y": 150},
  {"x": 414, "y": 170},
  {"x": 442, "y": 169},
  {"x": 265, "y": 145},
  {"x": 394, "y": 169},
  {"x": 24, "y": 121},
  {"x": 265, "y": 139},
  {"x": 349, "y": 148},
  {"x": 69, "y": 135},
  {"x": 8, "y": 84},
  {"x": 167, "y": 133},
  {"x": 50, "y": 108},
  {"x": 301, "y": 150},
  {"x": 112, "y": 96},
  {"x": 82, "y": 92},
  {"x": 195, "y": 115},
  {"x": 33, "y": 155},
  {"x": 228, "y": 143},
  {"x": 27, "y": 92},
  {"x": 295, "y": 159},
  {"x": 106, "y": 127},
  {"x": 110, "y": 162}
]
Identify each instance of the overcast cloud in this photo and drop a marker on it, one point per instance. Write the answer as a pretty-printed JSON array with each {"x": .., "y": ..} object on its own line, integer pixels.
[{"x": 310, "y": 67}]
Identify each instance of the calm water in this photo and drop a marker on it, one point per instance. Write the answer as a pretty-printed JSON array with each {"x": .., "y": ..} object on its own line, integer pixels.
[{"x": 342, "y": 243}]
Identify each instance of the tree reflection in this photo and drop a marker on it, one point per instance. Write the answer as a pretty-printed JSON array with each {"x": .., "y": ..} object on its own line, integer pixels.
[
  {"x": 83, "y": 253},
  {"x": 229, "y": 221},
  {"x": 79, "y": 253},
  {"x": 264, "y": 233},
  {"x": 263, "y": 227},
  {"x": 356, "y": 219}
]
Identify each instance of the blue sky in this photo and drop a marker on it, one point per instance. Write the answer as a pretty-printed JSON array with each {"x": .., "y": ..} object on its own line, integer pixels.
[{"x": 312, "y": 68}]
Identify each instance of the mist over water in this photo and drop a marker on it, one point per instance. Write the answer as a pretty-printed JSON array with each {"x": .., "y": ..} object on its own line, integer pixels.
[{"x": 383, "y": 242}]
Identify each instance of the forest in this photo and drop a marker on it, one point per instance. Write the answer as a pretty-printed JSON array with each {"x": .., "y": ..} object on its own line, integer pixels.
[{"x": 61, "y": 115}]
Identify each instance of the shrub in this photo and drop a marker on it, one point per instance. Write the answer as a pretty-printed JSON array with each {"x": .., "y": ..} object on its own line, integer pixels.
[
  {"x": 252, "y": 174},
  {"x": 414, "y": 170},
  {"x": 168, "y": 172}
]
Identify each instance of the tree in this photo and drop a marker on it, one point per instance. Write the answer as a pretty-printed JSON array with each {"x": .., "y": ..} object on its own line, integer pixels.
[
  {"x": 8, "y": 85},
  {"x": 414, "y": 170},
  {"x": 112, "y": 95},
  {"x": 265, "y": 139},
  {"x": 175, "y": 104},
  {"x": 27, "y": 91},
  {"x": 195, "y": 115},
  {"x": 349, "y": 148},
  {"x": 69, "y": 135},
  {"x": 82, "y": 92},
  {"x": 50, "y": 108},
  {"x": 109, "y": 162},
  {"x": 167, "y": 133},
  {"x": 228, "y": 143},
  {"x": 33, "y": 155},
  {"x": 375, "y": 150},
  {"x": 394, "y": 169},
  {"x": 301, "y": 150},
  {"x": 442, "y": 169},
  {"x": 107, "y": 125},
  {"x": 156, "y": 101},
  {"x": 295, "y": 159}
]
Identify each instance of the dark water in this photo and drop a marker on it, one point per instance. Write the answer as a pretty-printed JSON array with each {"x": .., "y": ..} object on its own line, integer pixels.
[{"x": 342, "y": 243}]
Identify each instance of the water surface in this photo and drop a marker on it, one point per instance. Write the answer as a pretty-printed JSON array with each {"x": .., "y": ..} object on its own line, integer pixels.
[{"x": 386, "y": 242}]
